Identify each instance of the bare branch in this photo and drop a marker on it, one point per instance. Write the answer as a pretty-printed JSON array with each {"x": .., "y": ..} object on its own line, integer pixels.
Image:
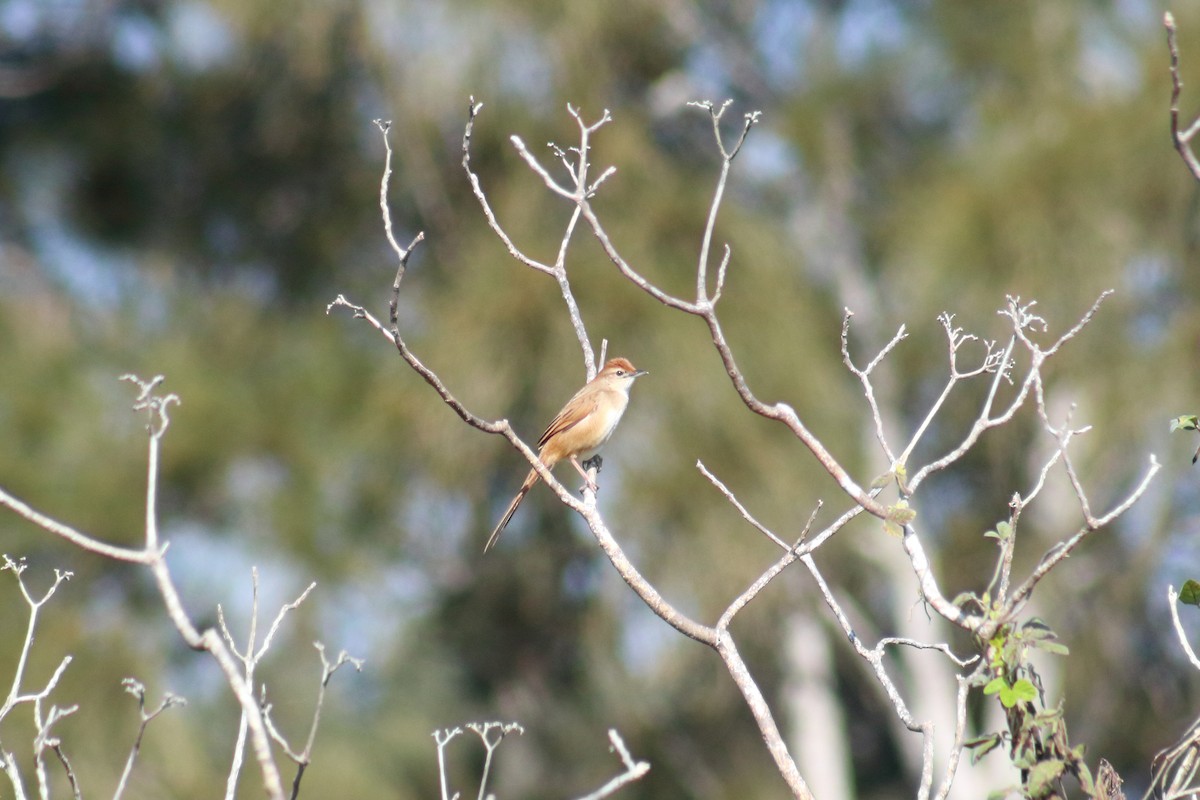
[
  {"x": 135, "y": 688},
  {"x": 579, "y": 176},
  {"x": 9, "y": 764},
  {"x": 1023, "y": 320},
  {"x": 718, "y": 639},
  {"x": 634, "y": 770},
  {"x": 72, "y": 535},
  {"x": 45, "y": 740},
  {"x": 443, "y": 738},
  {"x": 484, "y": 731},
  {"x": 702, "y": 296},
  {"x": 15, "y": 697},
  {"x": 864, "y": 377},
  {"x": 1181, "y": 139},
  {"x": 792, "y": 553},
  {"x": 930, "y": 590},
  {"x": 488, "y": 214},
  {"x": 1062, "y": 550},
  {"x": 746, "y": 515},
  {"x": 960, "y": 730},
  {"x": 156, "y": 406},
  {"x": 1173, "y": 604},
  {"x": 992, "y": 361},
  {"x": 402, "y": 254},
  {"x": 874, "y": 656},
  {"x": 304, "y": 757}
]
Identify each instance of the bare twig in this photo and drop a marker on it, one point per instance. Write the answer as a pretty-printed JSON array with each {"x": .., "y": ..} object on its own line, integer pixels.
[
  {"x": 135, "y": 688},
  {"x": 727, "y": 157},
  {"x": 992, "y": 361},
  {"x": 579, "y": 175},
  {"x": 793, "y": 552},
  {"x": 746, "y": 515},
  {"x": 443, "y": 737},
  {"x": 43, "y": 721},
  {"x": 402, "y": 254},
  {"x": 15, "y": 696},
  {"x": 874, "y": 657},
  {"x": 1173, "y": 604},
  {"x": 45, "y": 740},
  {"x": 250, "y": 658},
  {"x": 485, "y": 732},
  {"x": 1022, "y": 320},
  {"x": 634, "y": 770},
  {"x": 864, "y": 377},
  {"x": 1062, "y": 550},
  {"x": 9, "y": 764},
  {"x": 1181, "y": 139},
  {"x": 960, "y": 730},
  {"x": 1173, "y": 775},
  {"x": 72, "y": 535},
  {"x": 156, "y": 407},
  {"x": 303, "y": 757}
]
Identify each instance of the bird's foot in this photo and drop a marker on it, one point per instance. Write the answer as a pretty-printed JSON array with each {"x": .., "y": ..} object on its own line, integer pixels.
[{"x": 582, "y": 469}]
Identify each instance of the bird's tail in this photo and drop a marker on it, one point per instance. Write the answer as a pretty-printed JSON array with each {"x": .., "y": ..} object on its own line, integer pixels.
[{"x": 530, "y": 480}]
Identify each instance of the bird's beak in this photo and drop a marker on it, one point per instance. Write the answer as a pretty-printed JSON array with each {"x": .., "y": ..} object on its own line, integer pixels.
[{"x": 641, "y": 372}]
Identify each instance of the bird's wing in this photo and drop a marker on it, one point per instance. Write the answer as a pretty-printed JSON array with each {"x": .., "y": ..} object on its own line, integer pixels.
[{"x": 573, "y": 413}]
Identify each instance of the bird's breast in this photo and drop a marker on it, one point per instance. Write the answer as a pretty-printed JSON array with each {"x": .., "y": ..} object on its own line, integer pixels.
[{"x": 594, "y": 430}]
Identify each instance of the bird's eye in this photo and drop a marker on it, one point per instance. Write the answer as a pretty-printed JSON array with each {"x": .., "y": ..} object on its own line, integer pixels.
[{"x": 620, "y": 372}]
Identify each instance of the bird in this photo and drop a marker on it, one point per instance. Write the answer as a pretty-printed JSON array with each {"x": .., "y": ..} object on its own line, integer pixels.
[{"x": 582, "y": 427}]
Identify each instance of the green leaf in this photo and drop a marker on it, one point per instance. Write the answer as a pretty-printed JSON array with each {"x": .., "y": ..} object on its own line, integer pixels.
[
  {"x": 1024, "y": 690},
  {"x": 1037, "y": 628},
  {"x": 1053, "y": 648},
  {"x": 1043, "y": 776},
  {"x": 901, "y": 513},
  {"x": 983, "y": 745},
  {"x": 995, "y": 685},
  {"x": 1187, "y": 422},
  {"x": 1190, "y": 593},
  {"x": 1049, "y": 718},
  {"x": 883, "y": 480},
  {"x": 1025, "y": 757},
  {"x": 984, "y": 749},
  {"x": 1086, "y": 783}
]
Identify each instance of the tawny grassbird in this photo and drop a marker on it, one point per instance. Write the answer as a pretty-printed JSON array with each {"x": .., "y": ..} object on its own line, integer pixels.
[{"x": 583, "y": 425}]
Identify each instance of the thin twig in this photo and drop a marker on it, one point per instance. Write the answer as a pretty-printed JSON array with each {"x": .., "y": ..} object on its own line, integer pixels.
[
  {"x": 746, "y": 515},
  {"x": 1181, "y": 139},
  {"x": 864, "y": 377},
  {"x": 210, "y": 640},
  {"x": 634, "y": 770},
  {"x": 135, "y": 688},
  {"x": 443, "y": 737},
  {"x": 484, "y": 731}
]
